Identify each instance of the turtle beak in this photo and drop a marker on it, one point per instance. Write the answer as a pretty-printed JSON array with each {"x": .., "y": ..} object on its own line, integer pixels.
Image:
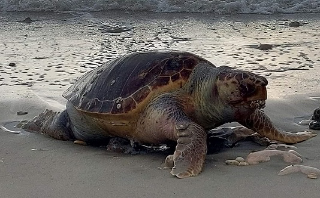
[
  {"x": 257, "y": 100},
  {"x": 259, "y": 94}
]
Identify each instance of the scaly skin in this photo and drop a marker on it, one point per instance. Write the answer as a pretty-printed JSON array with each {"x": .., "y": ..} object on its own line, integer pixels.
[
  {"x": 261, "y": 123},
  {"x": 165, "y": 119},
  {"x": 51, "y": 123}
]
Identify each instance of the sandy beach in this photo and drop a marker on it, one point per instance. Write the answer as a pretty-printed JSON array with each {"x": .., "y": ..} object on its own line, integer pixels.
[{"x": 41, "y": 59}]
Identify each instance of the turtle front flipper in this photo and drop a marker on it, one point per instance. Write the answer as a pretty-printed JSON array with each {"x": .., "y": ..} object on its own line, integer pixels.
[
  {"x": 191, "y": 149},
  {"x": 262, "y": 124},
  {"x": 164, "y": 120}
]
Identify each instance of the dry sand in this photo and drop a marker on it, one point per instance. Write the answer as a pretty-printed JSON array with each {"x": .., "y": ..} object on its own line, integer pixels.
[{"x": 51, "y": 52}]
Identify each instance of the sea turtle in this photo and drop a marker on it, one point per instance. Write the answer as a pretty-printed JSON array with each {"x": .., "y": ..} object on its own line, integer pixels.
[
  {"x": 315, "y": 120},
  {"x": 158, "y": 97}
]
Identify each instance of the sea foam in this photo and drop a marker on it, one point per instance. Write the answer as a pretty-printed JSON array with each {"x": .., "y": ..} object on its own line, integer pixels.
[{"x": 215, "y": 6}]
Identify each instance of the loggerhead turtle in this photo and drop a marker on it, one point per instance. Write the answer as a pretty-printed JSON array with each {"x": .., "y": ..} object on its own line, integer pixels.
[{"x": 159, "y": 97}]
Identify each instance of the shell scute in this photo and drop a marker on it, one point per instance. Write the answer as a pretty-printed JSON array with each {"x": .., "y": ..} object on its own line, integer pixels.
[
  {"x": 141, "y": 94},
  {"x": 185, "y": 74},
  {"x": 107, "y": 104},
  {"x": 172, "y": 66},
  {"x": 160, "y": 81},
  {"x": 189, "y": 63},
  {"x": 175, "y": 77},
  {"x": 128, "y": 104},
  {"x": 122, "y": 85}
]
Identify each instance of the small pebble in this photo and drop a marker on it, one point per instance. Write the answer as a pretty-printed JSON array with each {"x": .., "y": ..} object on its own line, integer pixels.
[
  {"x": 312, "y": 176},
  {"x": 240, "y": 159},
  {"x": 243, "y": 163},
  {"x": 34, "y": 149},
  {"x": 232, "y": 162}
]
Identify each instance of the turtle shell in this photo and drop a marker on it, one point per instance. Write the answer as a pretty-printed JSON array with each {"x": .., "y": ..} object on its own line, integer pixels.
[{"x": 130, "y": 81}]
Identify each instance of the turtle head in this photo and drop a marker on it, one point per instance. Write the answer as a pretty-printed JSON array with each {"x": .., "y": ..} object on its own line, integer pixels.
[{"x": 241, "y": 89}]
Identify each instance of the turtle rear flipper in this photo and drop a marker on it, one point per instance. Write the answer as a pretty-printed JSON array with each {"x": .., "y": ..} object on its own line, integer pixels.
[{"x": 53, "y": 124}]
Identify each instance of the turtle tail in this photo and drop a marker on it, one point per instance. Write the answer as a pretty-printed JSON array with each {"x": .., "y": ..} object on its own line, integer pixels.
[{"x": 53, "y": 124}]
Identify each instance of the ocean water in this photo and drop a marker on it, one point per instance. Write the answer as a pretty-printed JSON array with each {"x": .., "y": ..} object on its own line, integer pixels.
[{"x": 214, "y": 6}]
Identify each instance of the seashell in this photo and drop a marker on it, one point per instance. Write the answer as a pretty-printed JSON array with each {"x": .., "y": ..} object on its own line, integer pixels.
[{"x": 80, "y": 142}]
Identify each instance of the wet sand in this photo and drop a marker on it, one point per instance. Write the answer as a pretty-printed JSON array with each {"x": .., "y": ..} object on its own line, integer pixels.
[{"x": 39, "y": 60}]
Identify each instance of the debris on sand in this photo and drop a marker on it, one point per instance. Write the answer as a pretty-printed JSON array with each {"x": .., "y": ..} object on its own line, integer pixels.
[
  {"x": 311, "y": 172},
  {"x": 265, "y": 47},
  {"x": 27, "y": 20},
  {"x": 239, "y": 161},
  {"x": 281, "y": 147},
  {"x": 115, "y": 28},
  {"x": 22, "y": 113},
  {"x": 8, "y": 130},
  {"x": 295, "y": 24},
  {"x": 12, "y": 64},
  {"x": 290, "y": 156}
]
